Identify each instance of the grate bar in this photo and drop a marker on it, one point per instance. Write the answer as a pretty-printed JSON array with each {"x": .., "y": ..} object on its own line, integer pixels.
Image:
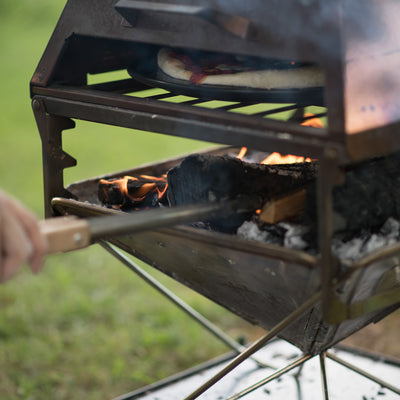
[
  {"x": 320, "y": 115},
  {"x": 277, "y": 110},
  {"x": 161, "y": 96},
  {"x": 192, "y": 101},
  {"x": 230, "y": 107}
]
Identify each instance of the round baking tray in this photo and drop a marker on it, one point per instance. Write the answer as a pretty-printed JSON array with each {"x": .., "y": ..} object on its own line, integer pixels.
[{"x": 151, "y": 75}]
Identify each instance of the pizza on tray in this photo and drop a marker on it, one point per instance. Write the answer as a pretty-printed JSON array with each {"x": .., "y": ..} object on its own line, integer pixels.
[{"x": 227, "y": 70}]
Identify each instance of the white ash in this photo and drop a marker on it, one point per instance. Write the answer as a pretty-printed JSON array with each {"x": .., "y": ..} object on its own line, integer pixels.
[
  {"x": 291, "y": 235},
  {"x": 294, "y": 235},
  {"x": 350, "y": 251},
  {"x": 249, "y": 230},
  {"x": 286, "y": 234}
]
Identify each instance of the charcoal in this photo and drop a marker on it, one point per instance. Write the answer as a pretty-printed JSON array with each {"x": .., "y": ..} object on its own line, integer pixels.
[{"x": 369, "y": 196}]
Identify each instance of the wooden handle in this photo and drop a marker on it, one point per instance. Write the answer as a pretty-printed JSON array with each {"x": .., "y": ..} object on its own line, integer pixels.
[
  {"x": 70, "y": 233},
  {"x": 65, "y": 233}
]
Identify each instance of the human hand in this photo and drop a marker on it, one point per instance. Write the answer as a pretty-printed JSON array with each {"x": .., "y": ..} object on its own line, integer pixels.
[{"x": 20, "y": 238}]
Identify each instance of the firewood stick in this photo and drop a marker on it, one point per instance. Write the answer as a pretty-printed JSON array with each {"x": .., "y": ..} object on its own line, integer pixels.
[{"x": 283, "y": 208}]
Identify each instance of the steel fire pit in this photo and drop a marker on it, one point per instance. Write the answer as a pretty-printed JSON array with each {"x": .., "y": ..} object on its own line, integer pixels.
[
  {"x": 262, "y": 283},
  {"x": 356, "y": 45}
]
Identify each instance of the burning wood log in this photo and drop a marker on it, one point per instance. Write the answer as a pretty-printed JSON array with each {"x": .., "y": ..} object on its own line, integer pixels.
[{"x": 202, "y": 178}]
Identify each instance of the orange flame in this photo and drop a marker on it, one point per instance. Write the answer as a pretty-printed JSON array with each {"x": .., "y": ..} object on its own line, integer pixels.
[
  {"x": 242, "y": 153},
  {"x": 132, "y": 188},
  {"x": 161, "y": 182},
  {"x": 277, "y": 158},
  {"x": 314, "y": 122}
]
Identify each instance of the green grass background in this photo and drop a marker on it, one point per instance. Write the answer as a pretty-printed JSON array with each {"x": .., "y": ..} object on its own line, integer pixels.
[{"x": 86, "y": 327}]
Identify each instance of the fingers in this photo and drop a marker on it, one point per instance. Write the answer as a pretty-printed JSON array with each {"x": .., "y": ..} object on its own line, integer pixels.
[
  {"x": 20, "y": 237},
  {"x": 30, "y": 225},
  {"x": 16, "y": 248}
]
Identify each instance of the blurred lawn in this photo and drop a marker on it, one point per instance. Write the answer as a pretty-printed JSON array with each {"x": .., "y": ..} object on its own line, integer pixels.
[{"x": 86, "y": 327}]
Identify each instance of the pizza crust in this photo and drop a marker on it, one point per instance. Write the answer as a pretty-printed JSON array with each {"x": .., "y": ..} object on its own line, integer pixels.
[{"x": 295, "y": 78}]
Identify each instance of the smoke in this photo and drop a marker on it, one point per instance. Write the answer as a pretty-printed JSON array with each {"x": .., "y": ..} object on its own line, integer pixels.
[
  {"x": 364, "y": 20},
  {"x": 315, "y": 22}
]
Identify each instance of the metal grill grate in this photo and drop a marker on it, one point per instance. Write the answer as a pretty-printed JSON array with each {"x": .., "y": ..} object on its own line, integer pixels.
[{"x": 290, "y": 111}]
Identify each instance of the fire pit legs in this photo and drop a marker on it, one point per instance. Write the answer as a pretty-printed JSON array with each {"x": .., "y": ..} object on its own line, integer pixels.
[
  {"x": 217, "y": 332},
  {"x": 298, "y": 362},
  {"x": 256, "y": 346},
  {"x": 362, "y": 372},
  {"x": 324, "y": 380},
  {"x": 244, "y": 353}
]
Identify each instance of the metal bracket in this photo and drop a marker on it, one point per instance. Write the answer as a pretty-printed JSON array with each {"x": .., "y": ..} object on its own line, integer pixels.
[{"x": 54, "y": 158}]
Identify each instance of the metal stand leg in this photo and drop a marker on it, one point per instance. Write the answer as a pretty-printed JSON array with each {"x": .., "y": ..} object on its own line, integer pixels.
[
  {"x": 256, "y": 346},
  {"x": 322, "y": 358},
  {"x": 244, "y": 353},
  {"x": 218, "y": 333},
  {"x": 298, "y": 373},
  {"x": 363, "y": 373},
  {"x": 298, "y": 362}
]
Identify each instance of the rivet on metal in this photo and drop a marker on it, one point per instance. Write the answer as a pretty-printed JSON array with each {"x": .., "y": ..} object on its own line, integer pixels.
[
  {"x": 36, "y": 105},
  {"x": 78, "y": 238}
]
